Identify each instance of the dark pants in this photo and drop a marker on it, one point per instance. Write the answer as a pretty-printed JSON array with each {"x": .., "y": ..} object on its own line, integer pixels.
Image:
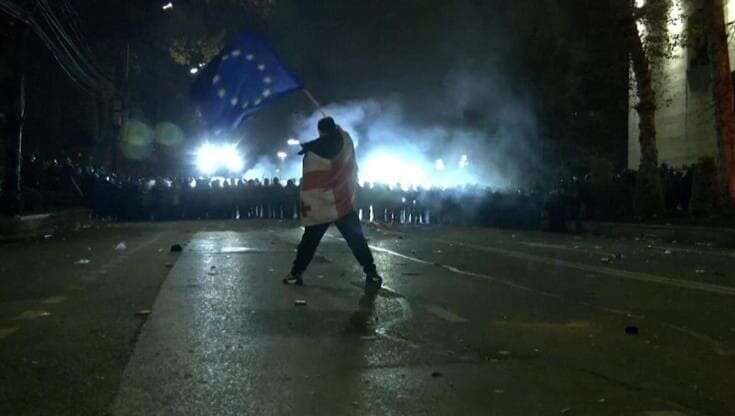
[{"x": 351, "y": 230}]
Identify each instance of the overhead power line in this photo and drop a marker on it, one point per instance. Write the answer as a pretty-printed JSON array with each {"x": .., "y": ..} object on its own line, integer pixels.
[{"x": 64, "y": 47}]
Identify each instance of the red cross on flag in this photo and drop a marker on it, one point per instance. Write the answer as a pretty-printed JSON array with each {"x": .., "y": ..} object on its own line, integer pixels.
[{"x": 328, "y": 188}]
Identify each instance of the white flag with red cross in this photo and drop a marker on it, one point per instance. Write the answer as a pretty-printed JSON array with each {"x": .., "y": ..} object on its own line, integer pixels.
[{"x": 328, "y": 186}]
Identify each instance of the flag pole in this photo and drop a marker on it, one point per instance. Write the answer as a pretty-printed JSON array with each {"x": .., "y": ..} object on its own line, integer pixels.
[{"x": 313, "y": 101}]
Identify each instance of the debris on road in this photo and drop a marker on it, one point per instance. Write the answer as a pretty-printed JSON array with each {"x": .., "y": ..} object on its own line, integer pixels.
[
  {"x": 605, "y": 260},
  {"x": 121, "y": 246},
  {"x": 667, "y": 252},
  {"x": 83, "y": 261},
  {"x": 631, "y": 330},
  {"x": 566, "y": 410},
  {"x": 47, "y": 236},
  {"x": 143, "y": 312},
  {"x": 300, "y": 302},
  {"x": 504, "y": 353},
  {"x": 176, "y": 248}
]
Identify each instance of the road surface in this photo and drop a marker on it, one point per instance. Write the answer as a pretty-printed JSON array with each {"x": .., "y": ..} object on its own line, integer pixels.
[{"x": 470, "y": 321}]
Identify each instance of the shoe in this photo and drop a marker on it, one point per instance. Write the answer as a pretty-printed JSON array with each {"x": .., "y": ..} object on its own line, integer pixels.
[
  {"x": 373, "y": 283},
  {"x": 293, "y": 279}
]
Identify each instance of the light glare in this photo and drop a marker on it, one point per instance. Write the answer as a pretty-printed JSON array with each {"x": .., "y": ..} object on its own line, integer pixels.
[{"x": 211, "y": 158}]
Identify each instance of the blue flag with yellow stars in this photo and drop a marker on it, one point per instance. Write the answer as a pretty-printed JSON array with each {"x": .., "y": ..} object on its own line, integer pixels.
[{"x": 245, "y": 77}]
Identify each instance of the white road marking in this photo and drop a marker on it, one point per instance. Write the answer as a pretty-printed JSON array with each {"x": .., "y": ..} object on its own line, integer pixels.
[
  {"x": 643, "y": 277},
  {"x": 5, "y": 332},
  {"x": 33, "y": 314},
  {"x": 445, "y": 314},
  {"x": 716, "y": 346},
  {"x": 54, "y": 300}
]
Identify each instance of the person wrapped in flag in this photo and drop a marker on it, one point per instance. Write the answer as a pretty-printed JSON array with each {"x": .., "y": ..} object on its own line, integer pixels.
[{"x": 328, "y": 193}]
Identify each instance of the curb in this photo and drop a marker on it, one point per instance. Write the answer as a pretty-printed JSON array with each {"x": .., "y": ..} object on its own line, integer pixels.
[{"x": 35, "y": 226}]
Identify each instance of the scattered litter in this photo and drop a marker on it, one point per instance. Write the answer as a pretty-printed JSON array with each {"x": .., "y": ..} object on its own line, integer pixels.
[
  {"x": 667, "y": 252},
  {"x": 143, "y": 312},
  {"x": 272, "y": 270},
  {"x": 700, "y": 271},
  {"x": 436, "y": 374},
  {"x": 47, "y": 236},
  {"x": 438, "y": 251},
  {"x": 121, "y": 246},
  {"x": 631, "y": 330},
  {"x": 598, "y": 248},
  {"x": 605, "y": 260},
  {"x": 566, "y": 410},
  {"x": 601, "y": 400},
  {"x": 356, "y": 404},
  {"x": 504, "y": 352},
  {"x": 176, "y": 248},
  {"x": 300, "y": 302},
  {"x": 321, "y": 276},
  {"x": 83, "y": 261}
]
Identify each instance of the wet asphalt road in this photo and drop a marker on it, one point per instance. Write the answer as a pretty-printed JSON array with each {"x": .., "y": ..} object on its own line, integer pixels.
[{"x": 471, "y": 321}]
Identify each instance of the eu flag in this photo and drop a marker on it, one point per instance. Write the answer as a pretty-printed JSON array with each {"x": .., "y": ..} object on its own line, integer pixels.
[{"x": 246, "y": 76}]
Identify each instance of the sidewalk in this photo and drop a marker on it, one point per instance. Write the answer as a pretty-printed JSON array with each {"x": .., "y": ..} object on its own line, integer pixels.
[{"x": 34, "y": 226}]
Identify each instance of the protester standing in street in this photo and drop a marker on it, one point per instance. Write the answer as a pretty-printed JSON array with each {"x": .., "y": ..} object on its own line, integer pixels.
[{"x": 328, "y": 194}]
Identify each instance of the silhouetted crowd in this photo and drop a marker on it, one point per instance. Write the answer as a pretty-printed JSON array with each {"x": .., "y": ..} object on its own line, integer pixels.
[{"x": 63, "y": 182}]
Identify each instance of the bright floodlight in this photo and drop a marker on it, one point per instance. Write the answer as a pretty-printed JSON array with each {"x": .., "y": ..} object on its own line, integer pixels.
[
  {"x": 391, "y": 168},
  {"x": 211, "y": 158},
  {"x": 464, "y": 161},
  {"x": 282, "y": 155},
  {"x": 439, "y": 165},
  {"x": 293, "y": 142},
  {"x": 168, "y": 6}
]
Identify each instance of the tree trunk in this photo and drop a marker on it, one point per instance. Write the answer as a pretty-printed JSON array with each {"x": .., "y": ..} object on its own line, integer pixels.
[
  {"x": 648, "y": 200},
  {"x": 13, "y": 192},
  {"x": 646, "y": 106},
  {"x": 723, "y": 95}
]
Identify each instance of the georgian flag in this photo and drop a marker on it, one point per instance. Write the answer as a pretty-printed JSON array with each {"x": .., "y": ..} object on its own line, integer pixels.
[{"x": 328, "y": 186}]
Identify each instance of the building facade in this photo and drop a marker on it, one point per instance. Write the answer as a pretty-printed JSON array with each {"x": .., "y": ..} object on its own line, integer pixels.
[{"x": 685, "y": 115}]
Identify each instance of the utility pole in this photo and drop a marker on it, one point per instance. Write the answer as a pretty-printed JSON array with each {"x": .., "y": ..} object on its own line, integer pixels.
[{"x": 12, "y": 203}]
